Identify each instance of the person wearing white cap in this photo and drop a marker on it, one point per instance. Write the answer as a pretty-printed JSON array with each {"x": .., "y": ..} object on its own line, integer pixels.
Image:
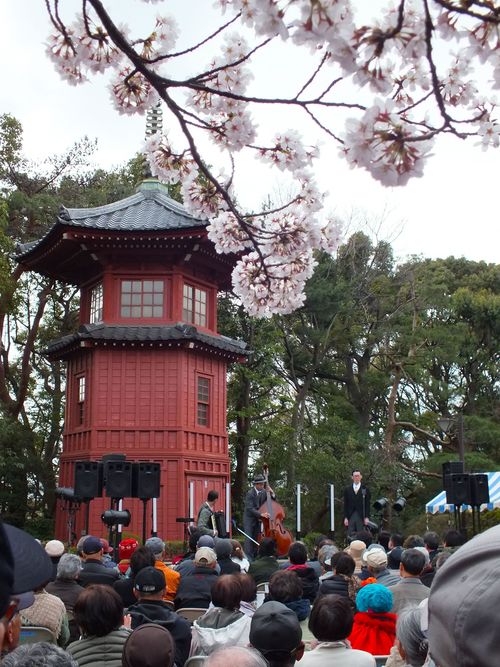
[{"x": 376, "y": 563}]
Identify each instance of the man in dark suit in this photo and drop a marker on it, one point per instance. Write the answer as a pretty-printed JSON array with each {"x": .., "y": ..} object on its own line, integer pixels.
[
  {"x": 356, "y": 504},
  {"x": 254, "y": 499}
]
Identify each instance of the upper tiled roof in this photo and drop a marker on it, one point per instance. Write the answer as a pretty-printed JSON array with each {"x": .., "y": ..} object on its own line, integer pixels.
[
  {"x": 149, "y": 334},
  {"x": 149, "y": 209}
]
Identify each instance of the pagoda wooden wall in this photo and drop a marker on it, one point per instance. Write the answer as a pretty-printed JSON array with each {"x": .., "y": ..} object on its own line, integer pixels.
[{"x": 142, "y": 402}]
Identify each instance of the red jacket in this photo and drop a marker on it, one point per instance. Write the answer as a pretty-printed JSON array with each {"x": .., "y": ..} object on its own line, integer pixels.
[{"x": 373, "y": 632}]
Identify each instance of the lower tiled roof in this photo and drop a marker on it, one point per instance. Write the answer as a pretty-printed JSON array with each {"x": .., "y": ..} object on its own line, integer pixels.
[{"x": 146, "y": 334}]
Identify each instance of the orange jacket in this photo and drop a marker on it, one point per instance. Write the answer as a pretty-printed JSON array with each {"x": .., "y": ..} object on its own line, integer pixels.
[{"x": 171, "y": 577}]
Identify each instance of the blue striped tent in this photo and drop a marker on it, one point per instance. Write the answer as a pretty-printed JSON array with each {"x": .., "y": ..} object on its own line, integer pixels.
[{"x": 438, "y": 503}]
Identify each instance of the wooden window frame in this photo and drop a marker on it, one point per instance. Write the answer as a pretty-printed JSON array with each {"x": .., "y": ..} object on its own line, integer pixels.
[
  {"x": 141, "y": 300},
  {"x": 96, "y": 304},
  {"x": 203, "y": 400},
  {"x": 194, "y": 308},
  {"x": 81, "y": 390}
]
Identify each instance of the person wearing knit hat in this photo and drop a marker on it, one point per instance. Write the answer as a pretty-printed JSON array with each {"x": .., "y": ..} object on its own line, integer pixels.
[
  {"x": 149, "y": 645},
  {"x": 125, "y": 550},
  {"x": 54, "y": 550},
  {"x": 374, "y": 628}
]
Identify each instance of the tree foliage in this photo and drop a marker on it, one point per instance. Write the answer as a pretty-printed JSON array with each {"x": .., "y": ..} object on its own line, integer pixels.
[{"x": 35, "y": 310}]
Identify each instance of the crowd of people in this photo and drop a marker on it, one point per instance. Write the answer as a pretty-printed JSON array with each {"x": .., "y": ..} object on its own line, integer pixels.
[{"x": 419, "y": 600}]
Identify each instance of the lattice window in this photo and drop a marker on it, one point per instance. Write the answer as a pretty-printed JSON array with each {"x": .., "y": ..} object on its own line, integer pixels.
[
  {"x": 203, "y": 404},
  {"x": 194, "y": 305},
  {"x": 96, "y": 302},
  {"x": 142, "y": 298},
  {"x": 81, "y": 399}
]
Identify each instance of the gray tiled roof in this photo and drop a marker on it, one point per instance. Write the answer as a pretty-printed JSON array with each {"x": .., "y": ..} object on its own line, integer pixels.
[
  {"x": 146, "y": 334},
  {"x": 149, "y": 209}
]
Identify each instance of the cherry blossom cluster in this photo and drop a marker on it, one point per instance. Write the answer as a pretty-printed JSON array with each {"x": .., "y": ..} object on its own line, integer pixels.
[
  {"x": 416, "y": 70},
  {"x": 384, "y": 144}
]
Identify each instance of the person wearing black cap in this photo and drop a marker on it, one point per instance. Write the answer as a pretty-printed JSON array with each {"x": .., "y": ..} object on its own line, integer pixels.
[
  {"x": 149, "y": 589},
  {"x": 93, "y": 570},
  {"x": 254, "y": 500},
  {"x": 276, "y": 633}
]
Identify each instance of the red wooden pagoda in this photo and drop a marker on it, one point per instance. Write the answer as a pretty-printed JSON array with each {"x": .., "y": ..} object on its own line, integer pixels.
[{"x": 146, "y": 370}]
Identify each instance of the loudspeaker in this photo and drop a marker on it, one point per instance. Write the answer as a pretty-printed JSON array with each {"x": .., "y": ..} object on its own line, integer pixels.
[
  {"x": 146, "y": 480},
  {"x": 451, "y": 468},
  {"x": 459, "y": 491},
  {"x": 479, "y": 489},
  {"x": 118, "y": 479},
  {"x": 88, "y": 479}
]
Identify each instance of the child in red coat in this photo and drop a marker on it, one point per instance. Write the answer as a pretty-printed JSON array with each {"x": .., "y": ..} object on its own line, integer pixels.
[{"x": 374, "y": 628}]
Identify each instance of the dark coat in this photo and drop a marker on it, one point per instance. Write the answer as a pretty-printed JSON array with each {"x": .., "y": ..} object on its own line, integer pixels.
[
  {"x": 353, "y": 502},
  {"x": 251, "y": 515},
  {"x": 335, "y": 585},
  {"x": 156, "y": 611},
  {"x": 227, "y": 566},
  {"x": 195, "y": 588},
  {"x": 309, "y": 579},
  {"x": 262, "y": 568},
  {"x": 67, "y": 591},
  {"x": 94, "y": 572},
  {"x": 125, "y": 589}
]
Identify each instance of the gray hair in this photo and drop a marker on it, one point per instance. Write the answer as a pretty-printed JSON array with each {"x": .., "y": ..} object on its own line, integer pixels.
[
  {"x": 41, "y": 654},
  {"x": 411, "y": 637},
  {"x": 69, "y": 567},
  {"x": 228, "y": 656},
  {"x": 326, "y": 552}
]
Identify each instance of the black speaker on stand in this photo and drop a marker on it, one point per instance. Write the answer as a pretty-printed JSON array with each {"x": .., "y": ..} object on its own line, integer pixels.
[
  {"x": 118, "y": 478},
  {"x": 479, "y": 495},
  {"x": 145, "y": 485},
  {"x": 88, "y": 484},
  {"x": 459, "y": 490},
  {"x": 118, "y": 485}
]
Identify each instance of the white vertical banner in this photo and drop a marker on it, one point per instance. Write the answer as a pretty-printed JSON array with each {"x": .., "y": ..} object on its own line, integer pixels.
[
  {"x": 332, "y": 508},
  {"x": 298, "y": 509},
  {"x": 228, "y": 507},
  {"x": 120, "y": 507},
  {"x": 191, "y": 501},
  {"x": 154, "y": 521}
]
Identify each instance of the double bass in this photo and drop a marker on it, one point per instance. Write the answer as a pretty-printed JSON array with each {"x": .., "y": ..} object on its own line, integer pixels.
[{"x": 273, "y": 526}]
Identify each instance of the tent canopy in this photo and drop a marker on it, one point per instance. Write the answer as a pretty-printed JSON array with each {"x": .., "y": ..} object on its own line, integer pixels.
[{"x": 438, "y": 503}]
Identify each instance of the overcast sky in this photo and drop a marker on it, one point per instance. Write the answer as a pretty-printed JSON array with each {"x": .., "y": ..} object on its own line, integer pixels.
[{"x": 452, "y": 210}]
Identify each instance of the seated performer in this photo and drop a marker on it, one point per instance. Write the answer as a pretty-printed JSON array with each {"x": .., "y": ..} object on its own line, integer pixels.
[{"x": 205, "y": 522}]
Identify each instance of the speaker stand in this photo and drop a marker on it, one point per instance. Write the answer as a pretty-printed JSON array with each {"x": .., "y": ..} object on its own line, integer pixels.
[
  {"x": 87, "y": 515},
  {"x": 144, "y": 518}
]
